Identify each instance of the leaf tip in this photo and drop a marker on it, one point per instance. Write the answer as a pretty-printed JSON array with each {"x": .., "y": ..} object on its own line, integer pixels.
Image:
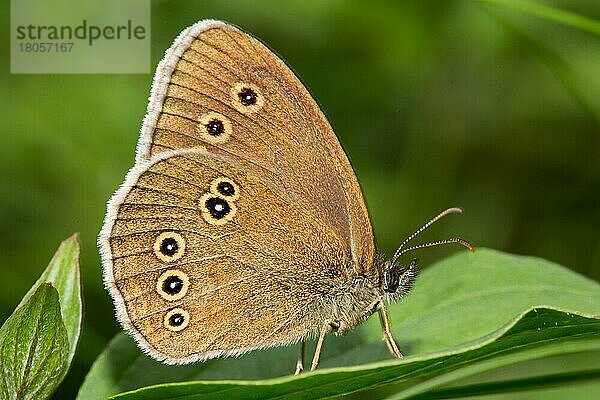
[
  {"x": 70, "y": 245},
  {"x": 73, "y": 239}
]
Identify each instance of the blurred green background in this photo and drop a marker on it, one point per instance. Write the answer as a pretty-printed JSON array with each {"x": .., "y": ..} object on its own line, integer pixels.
[{"x": 437, "y": 103}]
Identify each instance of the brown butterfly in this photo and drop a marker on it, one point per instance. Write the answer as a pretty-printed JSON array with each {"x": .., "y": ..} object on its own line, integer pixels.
[{"x": 241, "y": 225}]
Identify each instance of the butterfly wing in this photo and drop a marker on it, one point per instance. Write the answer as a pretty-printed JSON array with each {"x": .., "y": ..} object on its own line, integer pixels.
[
  {"x": 223, "y": 90},
  {"x": 203, "y": 259}
]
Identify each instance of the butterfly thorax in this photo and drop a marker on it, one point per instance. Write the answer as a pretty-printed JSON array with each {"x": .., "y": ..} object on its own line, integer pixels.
[{"x": 355, "y": 299}]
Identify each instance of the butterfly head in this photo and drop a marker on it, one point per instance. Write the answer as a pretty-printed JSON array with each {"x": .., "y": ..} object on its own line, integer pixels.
[{"x": 398, "y": 279}]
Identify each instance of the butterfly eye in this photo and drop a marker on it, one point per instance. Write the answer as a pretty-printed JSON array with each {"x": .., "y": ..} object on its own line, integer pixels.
[
  {"x": 172, "y": 285},
  {"x": 225, "y": 187},
  {"x": 176, "y": 320},
  {"x": 247, "y": 98},
  {"x": 214, "y": 128},
  {"x": 169, "y": 246}
]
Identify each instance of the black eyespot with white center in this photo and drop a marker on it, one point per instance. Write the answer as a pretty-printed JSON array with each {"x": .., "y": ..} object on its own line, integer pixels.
[
  {"x": 172, "y": 285},
  {"x": 169, "y": 247},
  {"x": 247, "y": 96},
  {"x": 217, "y": 207},
  {"x": 176, "y": 320},
  {"x": 215, "y": 127},
  {"x": 226, "y": 188}
]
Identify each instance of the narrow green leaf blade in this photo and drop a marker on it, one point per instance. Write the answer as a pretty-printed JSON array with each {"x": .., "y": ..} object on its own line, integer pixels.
[
  {"x": 34, "y": 347},
  {"x": 551, "y": 13}
]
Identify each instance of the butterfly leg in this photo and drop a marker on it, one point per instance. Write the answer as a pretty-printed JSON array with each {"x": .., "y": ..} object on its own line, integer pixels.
[
  {"x": 300, "y": 362},
  {"x": 387, "y": 333},
  {"x": 328, "y": 327}
]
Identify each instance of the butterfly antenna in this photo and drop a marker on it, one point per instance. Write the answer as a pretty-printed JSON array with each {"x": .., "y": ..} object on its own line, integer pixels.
[{"x": 401, "y": 250}]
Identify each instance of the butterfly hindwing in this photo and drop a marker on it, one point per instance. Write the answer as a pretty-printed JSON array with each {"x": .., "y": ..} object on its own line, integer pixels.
[{"x": 202, "y": 258}]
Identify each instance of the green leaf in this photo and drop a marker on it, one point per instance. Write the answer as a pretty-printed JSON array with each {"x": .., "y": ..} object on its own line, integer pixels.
[
  {"x": 39, "y": 340},
  {"x": 459, "y": 321},
  {"x": 63, "y": 273},
  {"x": 34, "y": 347},
  {"x": 562, "y": 333},
  {"x": 551, "y": 13},
  {"x": 515, "y": 385}
]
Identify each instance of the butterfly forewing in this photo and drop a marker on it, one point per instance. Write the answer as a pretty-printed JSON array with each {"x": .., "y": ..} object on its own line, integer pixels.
[
  {"x": 222, "y": 90},
  {"x": 205, "y": 259}
]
